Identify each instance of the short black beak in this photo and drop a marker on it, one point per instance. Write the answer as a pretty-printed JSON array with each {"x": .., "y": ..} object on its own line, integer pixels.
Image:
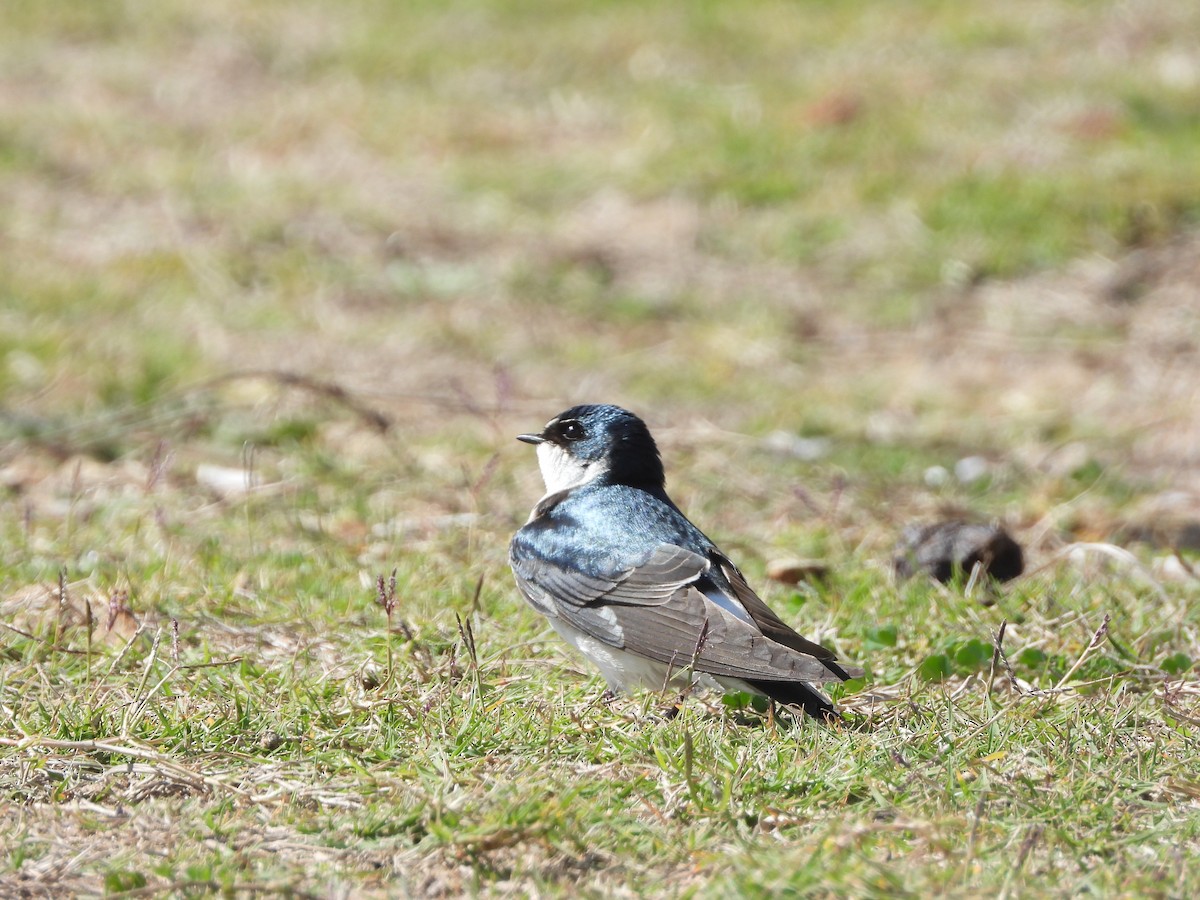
[{"x": 531, "y": 438}]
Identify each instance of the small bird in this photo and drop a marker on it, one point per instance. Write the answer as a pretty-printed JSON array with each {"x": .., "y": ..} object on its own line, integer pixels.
[{"x": 625, "y": 578}]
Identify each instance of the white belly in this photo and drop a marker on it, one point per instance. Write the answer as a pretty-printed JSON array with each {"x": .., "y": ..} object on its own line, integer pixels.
[{"x": 625, "y": 671}]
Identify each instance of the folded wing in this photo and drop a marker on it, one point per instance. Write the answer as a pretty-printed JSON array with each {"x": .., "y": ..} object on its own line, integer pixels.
[{"x": 662, "y": 609}]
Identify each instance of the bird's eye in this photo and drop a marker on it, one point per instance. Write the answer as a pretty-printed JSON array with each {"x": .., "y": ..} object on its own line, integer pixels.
[{"x": 571, "y": 430}]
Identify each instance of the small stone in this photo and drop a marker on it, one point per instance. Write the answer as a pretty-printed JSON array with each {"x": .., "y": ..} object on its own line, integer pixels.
[
  {"x": 807, "y": 449},
  {"x": 937, "y": 476},
  {"x": 793, "y": 571},
  {"x": 970, "y": 469}
]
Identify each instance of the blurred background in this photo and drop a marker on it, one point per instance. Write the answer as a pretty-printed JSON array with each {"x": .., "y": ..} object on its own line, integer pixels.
[
  {"x": 853, "y": 262},
  {"x": 281, "y": 281}
]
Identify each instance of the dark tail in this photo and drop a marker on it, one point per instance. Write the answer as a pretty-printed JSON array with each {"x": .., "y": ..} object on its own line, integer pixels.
[{"x": 797, "y": 693}]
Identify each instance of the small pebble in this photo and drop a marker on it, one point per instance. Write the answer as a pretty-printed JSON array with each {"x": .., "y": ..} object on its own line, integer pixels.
[
  {"x": 936, "y": 476},
  {"x": 807, "y": 449},
  {"x": 970, "y": 468},
  {"x": 793, "y": 571}
]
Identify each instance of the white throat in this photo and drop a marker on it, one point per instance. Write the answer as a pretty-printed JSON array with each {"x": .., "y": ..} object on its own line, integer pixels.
[{"x": 562, "y": 471}]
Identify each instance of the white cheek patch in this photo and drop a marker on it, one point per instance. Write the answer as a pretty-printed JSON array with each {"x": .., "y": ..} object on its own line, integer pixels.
[{"x": 561, "y": 470}]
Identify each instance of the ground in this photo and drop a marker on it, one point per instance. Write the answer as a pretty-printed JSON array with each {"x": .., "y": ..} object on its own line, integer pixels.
[{"x": 281, "y": 282}]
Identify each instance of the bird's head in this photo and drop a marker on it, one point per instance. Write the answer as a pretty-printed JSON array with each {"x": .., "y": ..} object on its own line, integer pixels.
[{"x": 597, "y": 443}]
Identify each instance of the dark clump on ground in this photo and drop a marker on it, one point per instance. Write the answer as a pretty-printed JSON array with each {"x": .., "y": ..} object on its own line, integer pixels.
[{"x": 943, "y": 548}]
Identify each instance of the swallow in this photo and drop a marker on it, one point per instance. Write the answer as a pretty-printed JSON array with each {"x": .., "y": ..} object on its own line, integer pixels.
[{"x": 641, "y": 592}]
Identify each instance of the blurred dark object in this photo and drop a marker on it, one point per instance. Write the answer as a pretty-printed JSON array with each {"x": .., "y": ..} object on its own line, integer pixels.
[
  {"x": 942, "y": 548},
  {"x": 794, "y": 571}
]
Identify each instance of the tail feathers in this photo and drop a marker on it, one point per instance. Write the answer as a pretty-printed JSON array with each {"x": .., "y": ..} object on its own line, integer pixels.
[{"x": 797, "y": 693}]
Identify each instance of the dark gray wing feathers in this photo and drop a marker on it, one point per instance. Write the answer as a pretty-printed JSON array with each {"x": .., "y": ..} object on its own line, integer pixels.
[
  {"x": 655, "y": 609},
  {"x": 770, "y": 624}
]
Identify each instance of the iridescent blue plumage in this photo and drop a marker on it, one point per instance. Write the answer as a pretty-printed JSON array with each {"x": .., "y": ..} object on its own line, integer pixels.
[{"x": 624, "y": 576}]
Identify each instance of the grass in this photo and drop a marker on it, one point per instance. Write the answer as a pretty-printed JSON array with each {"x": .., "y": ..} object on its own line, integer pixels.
[
  {"x": 345, "y": 253},
  {"x": 272, "y": 746}
]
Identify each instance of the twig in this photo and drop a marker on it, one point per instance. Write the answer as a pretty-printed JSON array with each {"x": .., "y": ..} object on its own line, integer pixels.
[
  {"x": 327, "y": 389},
  {"x": 997, "y": 653},
  {"x": 475, "y": 598},
  {"x": 1095, "y": 642},
  {"x": 1008, "y": 666},
  {"x": 88, "y": 621},
  {"x": 162, "y": 762},
  {"x": 467, "y": 634},
  {"x": 66, "y": 440},
  {"x": 15, "y": 630}
]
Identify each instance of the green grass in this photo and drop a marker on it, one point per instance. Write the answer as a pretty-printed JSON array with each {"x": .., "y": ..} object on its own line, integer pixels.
[
  {"x": 353, "y": 249},
  {"x": 279, "y": 717}
]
